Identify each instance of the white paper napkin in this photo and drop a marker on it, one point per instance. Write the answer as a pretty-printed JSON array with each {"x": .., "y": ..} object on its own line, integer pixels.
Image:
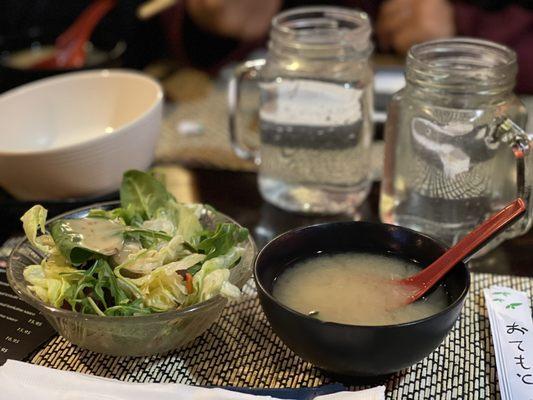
[
  {"x": 21, "y": 381},
  {"x": 512, "y": 333}
]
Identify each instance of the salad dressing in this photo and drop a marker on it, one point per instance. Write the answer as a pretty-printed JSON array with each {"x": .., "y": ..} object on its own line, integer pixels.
[{"x": 100, "y": 235}]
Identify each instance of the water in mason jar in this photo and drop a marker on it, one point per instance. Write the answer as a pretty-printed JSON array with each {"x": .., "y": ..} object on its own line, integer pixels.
[
  {"x": 448, "y": 174},
  {"x": 315, "y": 139}
]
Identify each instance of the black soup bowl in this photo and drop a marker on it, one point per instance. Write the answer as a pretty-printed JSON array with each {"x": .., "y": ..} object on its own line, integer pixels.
[{"x": 351, "y": 350}]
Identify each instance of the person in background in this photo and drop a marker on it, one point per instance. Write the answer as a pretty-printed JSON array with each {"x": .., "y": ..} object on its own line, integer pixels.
[
  {"x": 210, "y": 33},
  {"x": 228, "y": 29}
]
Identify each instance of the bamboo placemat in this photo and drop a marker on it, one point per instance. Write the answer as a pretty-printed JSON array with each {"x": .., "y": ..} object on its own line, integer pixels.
[
  {"x": 195, "y": 130},
  {"x": 241, "y": 350}
]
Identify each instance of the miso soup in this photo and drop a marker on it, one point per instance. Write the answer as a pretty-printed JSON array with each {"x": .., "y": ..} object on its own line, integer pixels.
[{"x": 355, "y": 288}]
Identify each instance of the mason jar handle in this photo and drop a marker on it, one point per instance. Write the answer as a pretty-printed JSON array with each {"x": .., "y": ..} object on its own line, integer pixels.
[
  {"x": 247, "y": 70},
  {"x": 510, "y": 133}
]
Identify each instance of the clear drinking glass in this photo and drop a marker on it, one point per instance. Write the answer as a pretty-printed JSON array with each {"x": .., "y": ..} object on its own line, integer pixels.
[
  {"x": 455, "y": 151},
  {"x": 315, "y": 111}
]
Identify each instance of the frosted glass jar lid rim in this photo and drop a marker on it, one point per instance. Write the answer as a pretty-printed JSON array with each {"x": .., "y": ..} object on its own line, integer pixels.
[
  {"x": 462, "y": 61},
  {"x": 322, "y": 28}
]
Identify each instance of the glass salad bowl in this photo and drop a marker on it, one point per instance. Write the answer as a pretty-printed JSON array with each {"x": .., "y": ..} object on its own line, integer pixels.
[{"x": 129, "y": 335}]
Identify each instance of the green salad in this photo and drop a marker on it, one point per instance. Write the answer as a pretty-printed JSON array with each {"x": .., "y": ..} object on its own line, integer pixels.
[{"x": 151, "y": 254}]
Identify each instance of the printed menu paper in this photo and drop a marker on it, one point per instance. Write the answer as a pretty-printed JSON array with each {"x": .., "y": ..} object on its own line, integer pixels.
[{"x": 22, "y": 328}]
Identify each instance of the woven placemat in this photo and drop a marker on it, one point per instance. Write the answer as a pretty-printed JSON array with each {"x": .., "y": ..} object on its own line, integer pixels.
[
  {"x": 241, "y": 350},
  {"x": 195, "y": 131}
]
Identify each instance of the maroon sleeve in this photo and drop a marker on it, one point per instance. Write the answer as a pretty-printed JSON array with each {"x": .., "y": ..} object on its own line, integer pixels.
[
  {"x": 172, "y": 21},
  {"x": 194, "y": 46},
  {"x": 511, "y": 26}
]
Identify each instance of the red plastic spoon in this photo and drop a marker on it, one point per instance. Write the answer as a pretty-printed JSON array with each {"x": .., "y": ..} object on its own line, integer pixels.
[
  {"x": 70, "y": 45},
  {"x": 481, "y": 235}
]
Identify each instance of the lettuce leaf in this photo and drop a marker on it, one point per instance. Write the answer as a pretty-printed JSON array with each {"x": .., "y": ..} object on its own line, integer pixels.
[
  {"x": 144, "y": 261},
  {"x": 126, "y": 215},
  {"x": 214, "y": 244},
  {"x": 52, "y": 282},
  {"x": 217, "y": 282},
  {"x": 164, "y": 289},
  {"x": 130, "y": 249},
  {"x": 160, "y": 224},
  {"x": 34, "y": 220},
  {"x": 185, "y": 219},
  {"x": 144, "y": 195},
  {"x": 99, "y": 291},
  {"x": 207, "y": 286}
]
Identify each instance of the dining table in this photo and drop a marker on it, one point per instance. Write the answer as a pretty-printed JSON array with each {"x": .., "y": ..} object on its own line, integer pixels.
[{"x": 240, "y": 350}]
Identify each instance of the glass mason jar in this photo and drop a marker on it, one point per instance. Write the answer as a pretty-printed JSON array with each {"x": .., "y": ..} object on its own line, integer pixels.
[
  {"x": 455, "y": 151},
  {"x": 315, "y": 115}
]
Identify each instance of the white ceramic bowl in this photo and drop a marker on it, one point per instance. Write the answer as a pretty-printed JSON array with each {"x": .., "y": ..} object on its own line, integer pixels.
[{"x": 75, "y": 134}]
